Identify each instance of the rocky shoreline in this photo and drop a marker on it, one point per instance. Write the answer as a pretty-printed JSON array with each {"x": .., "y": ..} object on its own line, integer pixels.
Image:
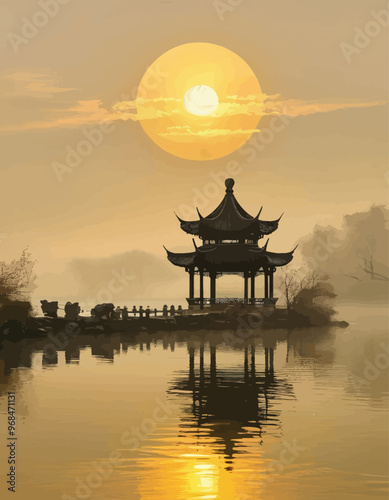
[{"x": 246, "y": 318}]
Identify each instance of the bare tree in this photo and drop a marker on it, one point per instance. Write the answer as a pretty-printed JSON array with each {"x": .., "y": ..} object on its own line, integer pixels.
[
  {"x": 368, "y": 260},
  {"x": 291, "y": 283},
  {"x": 17, "y": 278},
  {"x": 300, "y": 287}
]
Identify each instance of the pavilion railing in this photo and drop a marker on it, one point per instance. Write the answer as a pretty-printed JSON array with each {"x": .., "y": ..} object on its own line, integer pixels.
[{"x": 232, "y": 300}]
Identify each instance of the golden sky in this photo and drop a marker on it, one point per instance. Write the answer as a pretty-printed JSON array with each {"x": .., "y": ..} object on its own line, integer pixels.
[{"x": 320, "y": 150}]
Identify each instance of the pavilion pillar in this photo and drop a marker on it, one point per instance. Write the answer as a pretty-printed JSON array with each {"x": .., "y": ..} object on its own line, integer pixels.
[
  {"x": 191, "y": 283},
  {"x": 271, "y": 277},
  {"x": 213, "y": 287},
  {"x": 266, "y": 277},
  {"x": 246, "y": 286},
  {"x": 253, "y": 286},
  {"x": 201, "y": 289}
]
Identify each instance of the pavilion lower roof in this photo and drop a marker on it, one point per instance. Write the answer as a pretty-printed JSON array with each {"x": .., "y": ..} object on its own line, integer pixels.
[{"x": 230, "y": 257}]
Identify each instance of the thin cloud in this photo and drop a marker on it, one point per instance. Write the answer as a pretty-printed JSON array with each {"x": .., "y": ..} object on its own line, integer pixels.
[
  {"x": 38, "y": 85},
  {"x": 252, "y": 98},
  {"x": 296, "y": 107},
  {"x": 147, "y": 109},
  {"x": 187, "y": 132},
  {"x": 91, "y": 112},
  {"x": 288, "y": 107},
  {"x": 130, "y": 105},
  {"x": 81, "y": 114},
  {"x": 252, "y": 105}
]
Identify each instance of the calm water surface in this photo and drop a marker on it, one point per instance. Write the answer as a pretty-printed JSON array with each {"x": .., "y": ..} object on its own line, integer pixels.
[{"x": 299, "y": 415}]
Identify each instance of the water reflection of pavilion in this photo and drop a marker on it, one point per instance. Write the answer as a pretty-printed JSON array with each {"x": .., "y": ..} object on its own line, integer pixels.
[
  {"x": 232, "y": 404},
  {"x": 248, "y": 379}
]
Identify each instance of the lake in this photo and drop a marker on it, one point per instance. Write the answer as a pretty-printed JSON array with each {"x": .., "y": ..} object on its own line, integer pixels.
[{"x": 201, "y": 415}]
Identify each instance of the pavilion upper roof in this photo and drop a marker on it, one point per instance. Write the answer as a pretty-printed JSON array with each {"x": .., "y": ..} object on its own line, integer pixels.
[{"x": 229, "y": 221}]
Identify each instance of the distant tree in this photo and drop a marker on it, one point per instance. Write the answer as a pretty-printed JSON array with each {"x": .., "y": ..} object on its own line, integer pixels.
[
  {"x": 17, "y": 278},
  {"x": 355, "y": 256}
]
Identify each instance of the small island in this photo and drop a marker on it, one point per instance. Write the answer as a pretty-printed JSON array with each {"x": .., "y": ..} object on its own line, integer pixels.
[{"x": 230, "y": 246}]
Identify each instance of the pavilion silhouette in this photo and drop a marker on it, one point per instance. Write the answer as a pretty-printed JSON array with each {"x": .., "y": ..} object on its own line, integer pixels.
[{"x": 230, "y": 238}]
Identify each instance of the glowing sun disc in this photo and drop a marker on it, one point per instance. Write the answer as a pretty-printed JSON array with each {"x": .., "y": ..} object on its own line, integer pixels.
[{"x": 201, "y": 100}]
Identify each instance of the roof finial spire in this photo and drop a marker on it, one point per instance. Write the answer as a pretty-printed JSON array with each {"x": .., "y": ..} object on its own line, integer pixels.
[{"x": 229, "y": 185}]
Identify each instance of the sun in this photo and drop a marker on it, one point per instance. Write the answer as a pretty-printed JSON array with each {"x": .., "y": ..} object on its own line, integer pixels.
[
  {"x": 201, "y": 100},
  {"x": 194, "y": 101}
]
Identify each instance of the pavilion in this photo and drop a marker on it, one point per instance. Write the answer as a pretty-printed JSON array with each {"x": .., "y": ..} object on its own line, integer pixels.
[{"x": 230, "y": 246}]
